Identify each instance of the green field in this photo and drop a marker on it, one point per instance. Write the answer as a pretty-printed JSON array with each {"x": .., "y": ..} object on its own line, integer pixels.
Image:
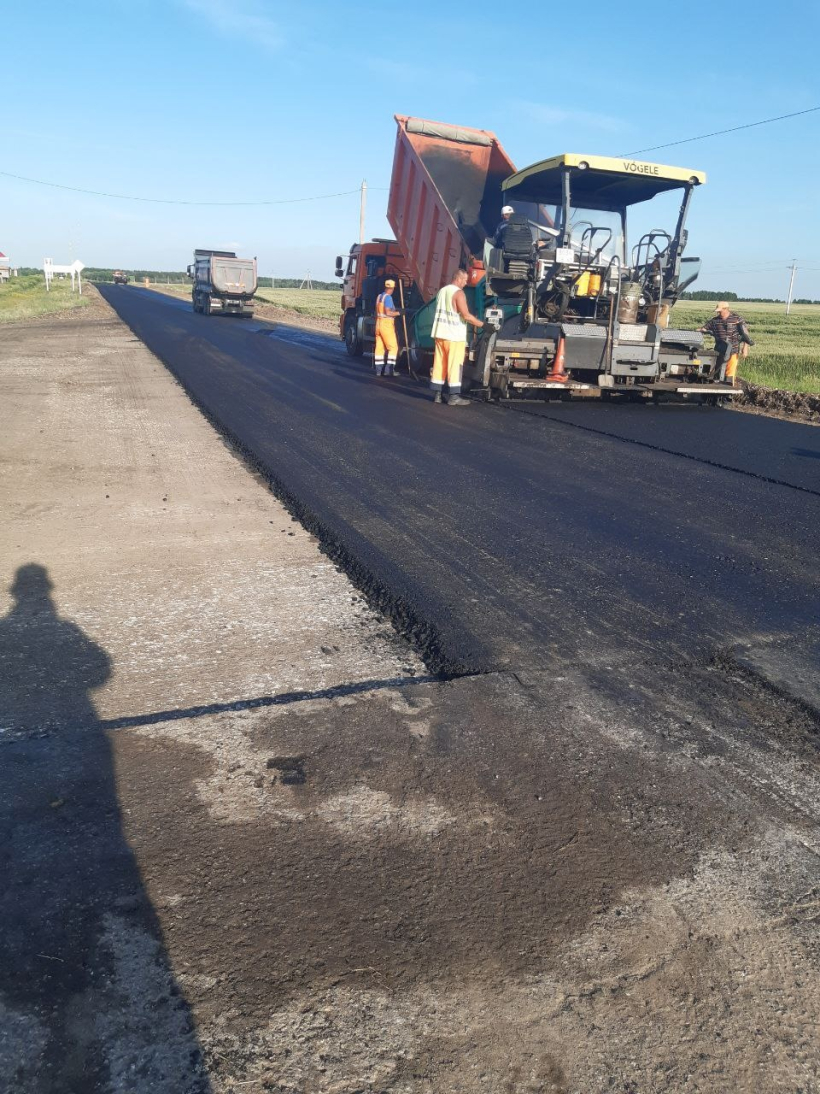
[
  {"x": 319, "y": 303},
  {"x": 26, "y": 297},
  {"x": 316, "y": 303},
  {"x": 786, "y": 353}
]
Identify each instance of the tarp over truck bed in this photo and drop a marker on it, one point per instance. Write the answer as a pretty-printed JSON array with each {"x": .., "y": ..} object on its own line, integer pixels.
[
  {"x": 445, "y": 196},
  {"x": 234, "y": 275}
]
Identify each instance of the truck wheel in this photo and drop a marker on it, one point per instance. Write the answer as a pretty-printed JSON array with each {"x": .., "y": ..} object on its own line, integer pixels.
[
  {"x": 420, "y": 360},
  {"x": 195, "y": 302},
  {"x": 353, "y": 343},
  {"x": 206, "y": 304}
]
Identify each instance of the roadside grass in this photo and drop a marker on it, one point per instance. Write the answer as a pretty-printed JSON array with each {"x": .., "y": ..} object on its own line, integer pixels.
[
  {"x": 316, "y": 303},
  {"x": 786, "y": 354},
  {"x": 182, "y": 290},
  {"x": 26, "y": 297}
]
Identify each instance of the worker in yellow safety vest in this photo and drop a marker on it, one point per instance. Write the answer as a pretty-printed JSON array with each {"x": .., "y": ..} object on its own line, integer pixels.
[
  {"x": 450, "y": 335},
  {"x": 387, "y": 345}
]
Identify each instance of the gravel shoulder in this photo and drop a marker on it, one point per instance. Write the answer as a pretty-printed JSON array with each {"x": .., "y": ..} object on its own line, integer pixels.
[{"x": 252, "y": 845}]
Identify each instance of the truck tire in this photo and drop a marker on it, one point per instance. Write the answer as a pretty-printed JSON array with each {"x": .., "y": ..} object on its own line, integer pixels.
[
  {"x": 195, "y": 302},
  {"x": 353, "y": 344},
  {"x": 419, "y": 361},
  {"x": 206, "y": 304}
]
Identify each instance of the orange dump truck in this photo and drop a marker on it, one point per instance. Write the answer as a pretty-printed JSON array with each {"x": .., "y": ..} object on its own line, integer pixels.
[
  {"x": 445, "y": 198},
  {"x": 445, "y": 201}
]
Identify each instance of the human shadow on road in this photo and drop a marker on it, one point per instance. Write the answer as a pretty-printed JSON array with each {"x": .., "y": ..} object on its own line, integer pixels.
[{"x": 88, "y": 1001}]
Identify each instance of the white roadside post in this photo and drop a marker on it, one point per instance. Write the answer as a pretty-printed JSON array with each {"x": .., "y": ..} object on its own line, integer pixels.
[
  {"x": 791, "y": 286},
  {"x": 73, "y": 270}
]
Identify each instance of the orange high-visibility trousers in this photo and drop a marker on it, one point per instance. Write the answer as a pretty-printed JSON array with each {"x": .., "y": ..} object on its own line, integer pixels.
[
  {"x": 731, "y": 368},
  {"x": 448, "y": 362},
  {"x": 386, "y": 341}
]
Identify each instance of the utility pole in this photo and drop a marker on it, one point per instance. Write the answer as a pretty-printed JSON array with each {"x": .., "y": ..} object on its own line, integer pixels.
[
  {"x": 362, "y": 208},
  {"x": 791, "y": 286}
]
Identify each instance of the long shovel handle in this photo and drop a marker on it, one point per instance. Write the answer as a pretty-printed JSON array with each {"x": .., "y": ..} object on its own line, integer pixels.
[{"x": 406, "y": 338}]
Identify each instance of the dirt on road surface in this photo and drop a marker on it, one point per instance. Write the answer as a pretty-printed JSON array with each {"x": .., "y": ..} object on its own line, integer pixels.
[{"x": 249, "y": 843}]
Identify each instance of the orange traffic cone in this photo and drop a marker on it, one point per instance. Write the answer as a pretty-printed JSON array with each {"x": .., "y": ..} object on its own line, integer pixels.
[{"x": 559, "y": 372}]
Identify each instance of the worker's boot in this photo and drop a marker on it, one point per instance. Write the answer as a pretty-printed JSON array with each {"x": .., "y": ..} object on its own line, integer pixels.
[
  {"x": 456, "y": 400},
  {"x": 437, "y": 398},
  {"x": 389, "y": 368}
]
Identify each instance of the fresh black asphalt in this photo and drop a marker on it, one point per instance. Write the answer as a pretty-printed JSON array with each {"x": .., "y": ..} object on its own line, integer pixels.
[{"x": 519, "y": 537}]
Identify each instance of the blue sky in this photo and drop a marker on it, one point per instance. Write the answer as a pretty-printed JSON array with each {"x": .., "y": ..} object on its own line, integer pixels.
[{"x": 222, "y": 100}]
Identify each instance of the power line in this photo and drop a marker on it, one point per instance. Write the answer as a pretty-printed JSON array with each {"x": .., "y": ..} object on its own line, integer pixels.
[
  {"x": 720, "y": 132},
  {"x": 172, "y": 201},
  {"x": 749, "y": 269}
]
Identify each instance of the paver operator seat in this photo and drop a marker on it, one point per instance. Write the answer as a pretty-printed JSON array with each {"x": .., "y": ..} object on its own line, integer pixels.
[{"x": 517, "y": 248}]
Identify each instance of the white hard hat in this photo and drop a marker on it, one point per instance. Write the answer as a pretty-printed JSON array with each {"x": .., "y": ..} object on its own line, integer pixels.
[{"x": 507, "y": 209}]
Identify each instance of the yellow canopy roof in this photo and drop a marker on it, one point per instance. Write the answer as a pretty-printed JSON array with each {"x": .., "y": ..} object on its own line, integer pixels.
[{"x": 598, "y": 182}]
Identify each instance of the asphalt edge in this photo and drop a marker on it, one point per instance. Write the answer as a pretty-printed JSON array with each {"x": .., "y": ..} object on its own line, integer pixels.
[{"x": 423, "y": 636}]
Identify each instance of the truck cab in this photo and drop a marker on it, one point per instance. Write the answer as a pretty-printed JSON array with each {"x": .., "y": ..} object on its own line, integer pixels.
[{"x": 363, "y": 271}]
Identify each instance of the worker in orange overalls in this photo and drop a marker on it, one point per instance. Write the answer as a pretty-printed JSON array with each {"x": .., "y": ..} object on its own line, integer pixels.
[{"x": 387, "y": 345}]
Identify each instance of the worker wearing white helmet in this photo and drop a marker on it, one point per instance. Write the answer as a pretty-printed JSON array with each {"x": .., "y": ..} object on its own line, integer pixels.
[
  {"x": 387, "y": 345},
  {"x": 506, "y": 213}
]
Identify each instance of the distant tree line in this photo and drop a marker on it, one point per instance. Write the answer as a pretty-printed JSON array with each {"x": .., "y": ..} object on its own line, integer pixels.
[
  {"x": 295, "y": 282},
  {"x": 707, "y": 294},
  {"x": 95, "y": 273},
  {"x": 177, "y": 277}
]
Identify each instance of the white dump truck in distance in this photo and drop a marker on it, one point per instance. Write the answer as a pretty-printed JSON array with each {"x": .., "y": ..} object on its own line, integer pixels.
[{"x": 222, "y": 283}]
